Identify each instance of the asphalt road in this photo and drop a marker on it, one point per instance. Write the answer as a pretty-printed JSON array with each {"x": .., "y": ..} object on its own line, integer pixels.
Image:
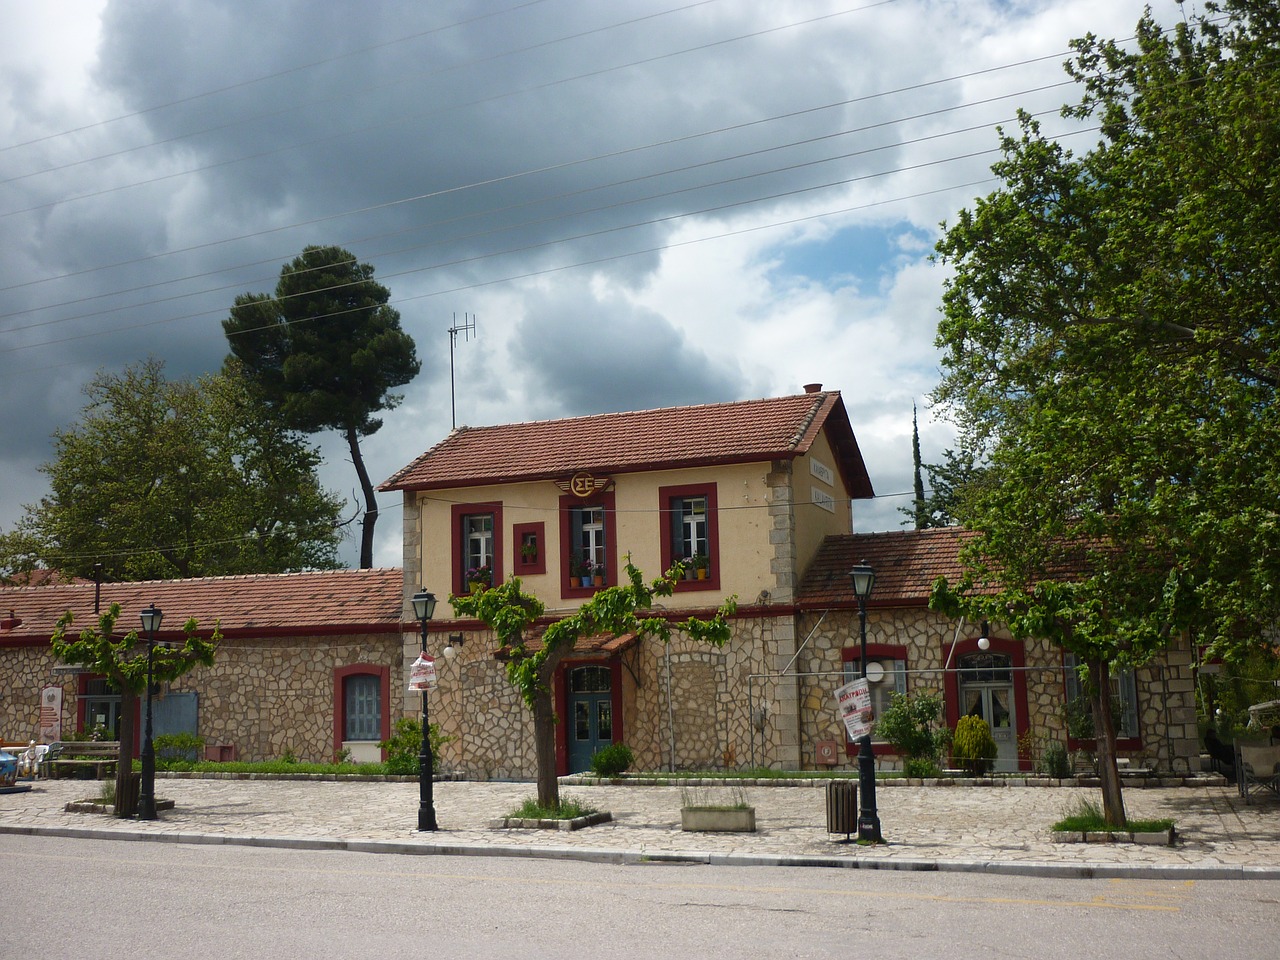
[{"x": 78, "y": 898}]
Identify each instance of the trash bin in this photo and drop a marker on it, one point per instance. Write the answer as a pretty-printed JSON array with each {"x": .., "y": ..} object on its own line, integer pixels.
[{"x": 842, "y": 807}]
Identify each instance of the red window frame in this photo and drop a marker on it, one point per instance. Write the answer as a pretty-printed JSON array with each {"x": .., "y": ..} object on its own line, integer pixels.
[
  {"x": 539, "y": 532},
  {"x": 459, "y": 549},
  {"x": 569, "y": 584},
  {"x": 665, "y": 496},
  {"x": 340, "y": 675}
]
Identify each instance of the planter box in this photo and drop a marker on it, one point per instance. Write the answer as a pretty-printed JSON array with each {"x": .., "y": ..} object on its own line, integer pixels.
[{"x": 711, "y": 820}]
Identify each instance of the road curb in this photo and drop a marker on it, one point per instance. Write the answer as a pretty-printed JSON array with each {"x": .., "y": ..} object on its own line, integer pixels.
[{"x": 1075, "y": 871}]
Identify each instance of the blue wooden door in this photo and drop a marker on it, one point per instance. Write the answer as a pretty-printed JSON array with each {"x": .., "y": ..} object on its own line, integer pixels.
[{"x": 590, "y": 714}]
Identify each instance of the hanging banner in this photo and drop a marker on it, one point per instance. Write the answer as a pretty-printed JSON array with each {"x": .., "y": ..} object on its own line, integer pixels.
[
  {"x": 422, "y": 675},
  {"x": 854, "y": 701},
  {"x": 50, "y": 714}
]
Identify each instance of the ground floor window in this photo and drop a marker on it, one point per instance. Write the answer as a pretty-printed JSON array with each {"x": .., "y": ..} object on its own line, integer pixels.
[
  {"x": 1124, "y": 702},
  {"x": 886, "y": 675}
]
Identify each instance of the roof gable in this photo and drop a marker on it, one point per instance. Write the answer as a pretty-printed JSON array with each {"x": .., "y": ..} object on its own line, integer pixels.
[{"x": 747, "y": 431}]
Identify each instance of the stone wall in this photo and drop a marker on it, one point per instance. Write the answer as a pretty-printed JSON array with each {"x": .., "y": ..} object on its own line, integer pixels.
[
  {"x": 266, "y": 697},
  {"x": 687, "y": 706},
  {"x": 272, "y": 697},
  {"x": 1166, "y": 694},
  {"x": 24, "y": 672}
]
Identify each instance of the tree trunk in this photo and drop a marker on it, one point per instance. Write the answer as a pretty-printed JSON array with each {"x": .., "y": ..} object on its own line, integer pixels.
[
  {"x": 544, "y": 744},
  {"x": 1104, "y": 731},
  {"x": 126, "y": 798},
  {"x": 370, "y": 501}
]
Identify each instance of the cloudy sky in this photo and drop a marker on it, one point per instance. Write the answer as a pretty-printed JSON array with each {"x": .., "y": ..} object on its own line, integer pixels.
[{"x": 641, "y": 203}]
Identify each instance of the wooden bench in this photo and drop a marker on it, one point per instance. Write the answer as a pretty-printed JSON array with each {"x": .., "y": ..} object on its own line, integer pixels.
[{"x": 72, "y": 756}]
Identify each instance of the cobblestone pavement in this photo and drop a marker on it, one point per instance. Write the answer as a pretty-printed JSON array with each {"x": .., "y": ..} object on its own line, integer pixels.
[{"x": 997, "y": 828}]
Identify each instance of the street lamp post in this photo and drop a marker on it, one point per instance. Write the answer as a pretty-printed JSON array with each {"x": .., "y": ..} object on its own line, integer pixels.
[
  {"x": 151, "y": 618},
  {"x": 864, "y": 579},
  {"x": 424, "y": 605}
]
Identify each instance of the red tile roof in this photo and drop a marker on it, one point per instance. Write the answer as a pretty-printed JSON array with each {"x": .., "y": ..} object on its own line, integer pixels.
[
  {"x": 596, "y": 643},
  {"x": 778, "y": 428},
  {"x": 906, "y": 563},
  {"x": 321, "y": 602}
]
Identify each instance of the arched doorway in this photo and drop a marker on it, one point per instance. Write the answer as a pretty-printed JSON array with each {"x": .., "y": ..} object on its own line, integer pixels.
[
  {"x": 590, "y": 713},
  {"x": 986, "y": 690}
]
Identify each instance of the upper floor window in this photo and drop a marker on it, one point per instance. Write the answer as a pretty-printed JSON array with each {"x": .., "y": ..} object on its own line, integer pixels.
[
  {"x": 690, "y": 532},
  {"x": 477, "y": 547},
  {"x": 587, "y": 548}
]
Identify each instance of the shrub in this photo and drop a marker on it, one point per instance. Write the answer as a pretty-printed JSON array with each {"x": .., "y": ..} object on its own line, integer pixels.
[
  {"x": 1055, "y": 761},
  {"x": 612, "y": 760},
  {"x": 972, "y": 747},
  {"x": 910, "y": 726},
  {"x": 921, "y": 767},
  {"x": 405, "y": 743},
  {"x": 177, "y": 748}
]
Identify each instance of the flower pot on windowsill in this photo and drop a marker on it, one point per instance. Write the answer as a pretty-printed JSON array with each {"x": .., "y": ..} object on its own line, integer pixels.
[
  {"x": 585, "y": 581},
  {"x": 718, "y": 819},
  {"x": 597, "y": 580}
]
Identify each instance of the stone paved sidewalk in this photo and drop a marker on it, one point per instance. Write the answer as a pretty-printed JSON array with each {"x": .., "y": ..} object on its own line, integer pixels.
[{"x": 927, "y": 827}]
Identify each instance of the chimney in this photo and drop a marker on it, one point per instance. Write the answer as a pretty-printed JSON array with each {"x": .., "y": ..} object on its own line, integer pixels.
[{"x": 813, "y": 388}]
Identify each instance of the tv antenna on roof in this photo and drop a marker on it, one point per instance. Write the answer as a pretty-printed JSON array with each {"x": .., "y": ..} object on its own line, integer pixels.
[{"x": 468, "y": 329}]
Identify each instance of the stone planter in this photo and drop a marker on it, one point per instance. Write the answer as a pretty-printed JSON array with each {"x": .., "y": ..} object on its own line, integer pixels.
[{"x": 718, "y": 820}]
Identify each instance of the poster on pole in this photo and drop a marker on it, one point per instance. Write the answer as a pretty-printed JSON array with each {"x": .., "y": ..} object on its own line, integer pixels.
[
  {"x": 422, "y": 675},
  {"x": 50, "y": 714},
  {"x": 854, "y": 701}
]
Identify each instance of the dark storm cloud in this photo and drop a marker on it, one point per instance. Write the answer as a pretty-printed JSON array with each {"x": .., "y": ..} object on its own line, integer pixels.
[
  {"x": 529, "y": 161},
  {"x": 594, "y": 357}
]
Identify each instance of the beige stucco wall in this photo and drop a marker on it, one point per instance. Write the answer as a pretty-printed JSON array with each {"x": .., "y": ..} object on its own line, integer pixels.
[
  {"x": 811, "y": 486},
  {"x": 747, "y": 536}
]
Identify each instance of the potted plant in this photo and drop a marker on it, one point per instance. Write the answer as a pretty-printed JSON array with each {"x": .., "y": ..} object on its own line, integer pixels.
[
  {"x": 584, "y": 569},
  {"x": 597, "y": 574},
  {"x": 480, "y": 578},
  {"x": 700, "y": 811},
  {"x": 701, "y": 564},
  {"x": 529, "y": 551}
]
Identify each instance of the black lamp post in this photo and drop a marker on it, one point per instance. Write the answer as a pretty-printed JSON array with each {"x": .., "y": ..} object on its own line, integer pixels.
[
  {"x": 424, "y": 605},
  {"x": 864, "y": 578},
  {"x": 151, "y": 618}
]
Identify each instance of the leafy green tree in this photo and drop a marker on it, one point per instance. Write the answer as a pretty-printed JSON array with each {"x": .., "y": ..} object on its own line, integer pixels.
[
  {"x": 512, "y": 614},
  {"x": 122, "y": 660},
  {"x": 1109, "y": 343},
  {"x": 164, "y": 479},
  {"x": 325, "y": 351}
]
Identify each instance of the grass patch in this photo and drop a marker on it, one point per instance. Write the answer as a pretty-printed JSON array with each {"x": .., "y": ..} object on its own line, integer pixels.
[
  {"x": 1088, "y": 818},
  {"x": 273, "y": 767},
  {"x": 569, "y": 809}
]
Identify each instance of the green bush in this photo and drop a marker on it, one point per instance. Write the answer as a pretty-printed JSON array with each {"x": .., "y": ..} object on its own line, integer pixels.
[
  {"x": 613, "y": 760},
  {"x": 405, "y": 743},
  {"x": 921, "y": 767},
  {"x": 910, "y": 726},
  {"x": 1055, "y": 761},
  {"x": 181, "y": 748},
  {"x": 972, "y": 747}
]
